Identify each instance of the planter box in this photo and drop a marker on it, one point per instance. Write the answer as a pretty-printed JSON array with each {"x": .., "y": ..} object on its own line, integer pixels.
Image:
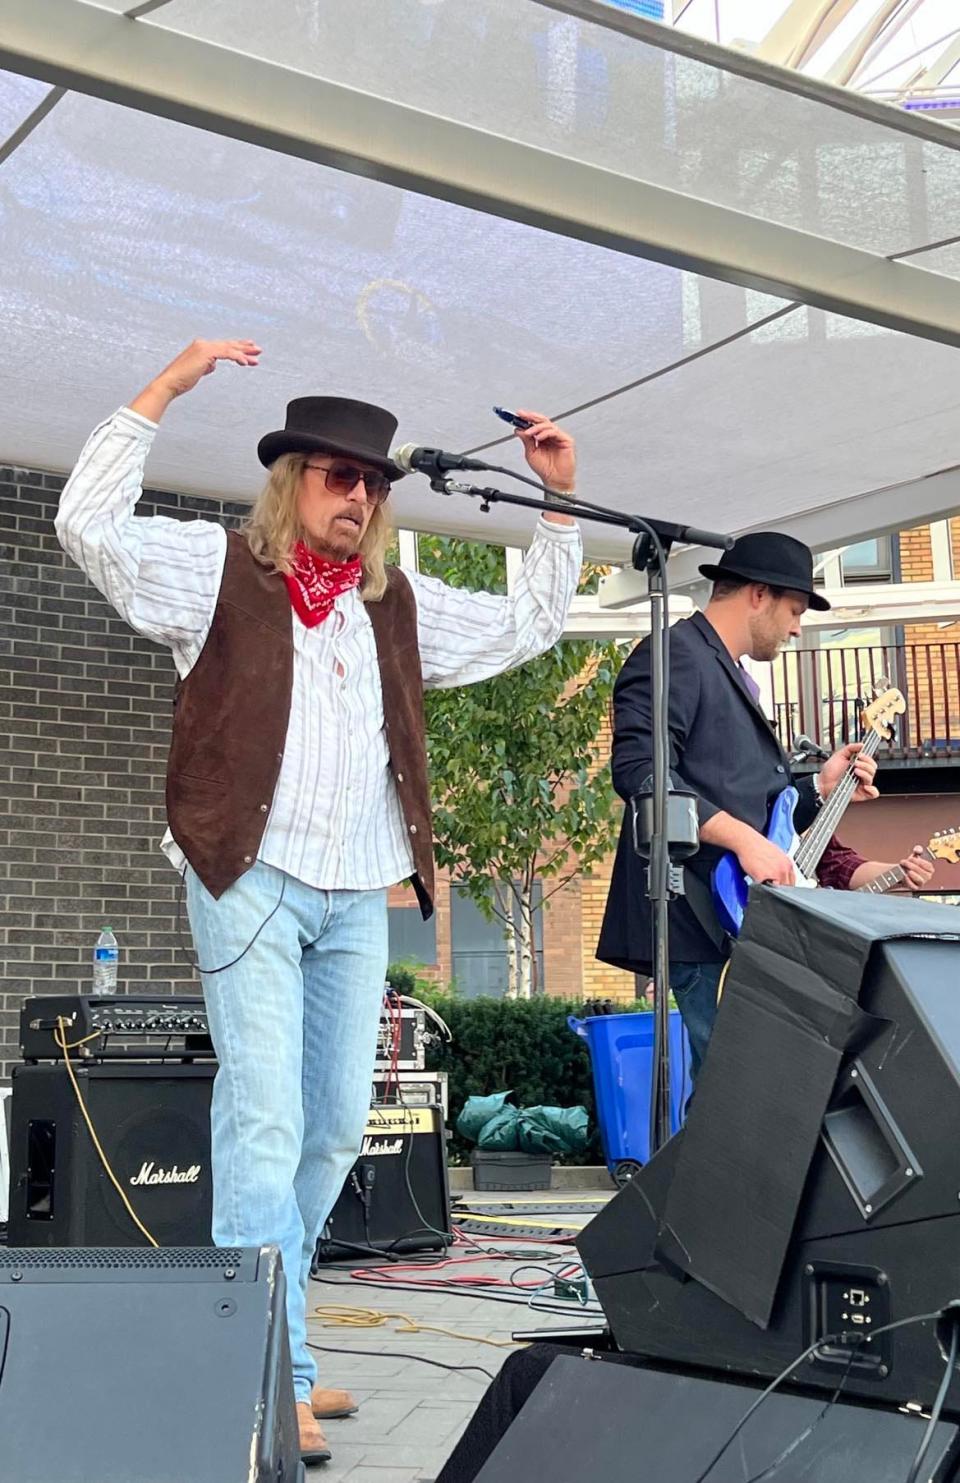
[{"x": 510, "y": 1171}]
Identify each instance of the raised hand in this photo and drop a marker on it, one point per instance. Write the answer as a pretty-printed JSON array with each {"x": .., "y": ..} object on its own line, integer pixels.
[
  {"x": 199, "y": 359},
  {"x": 549, "y": 451}
]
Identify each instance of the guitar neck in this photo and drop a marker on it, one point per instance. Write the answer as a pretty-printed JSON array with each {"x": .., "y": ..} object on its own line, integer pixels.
[
  {"x": 895, "y": 876},
  {"x": 885, "y": 882},
  {"x": 821, "y": 832}
]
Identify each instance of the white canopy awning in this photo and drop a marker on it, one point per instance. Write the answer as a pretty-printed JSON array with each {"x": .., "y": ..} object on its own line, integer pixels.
[{"x": 444, "y": 204}]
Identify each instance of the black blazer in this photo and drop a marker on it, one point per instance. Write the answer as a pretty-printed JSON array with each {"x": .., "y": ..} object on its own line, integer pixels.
[{"x": 722, "y": 748}]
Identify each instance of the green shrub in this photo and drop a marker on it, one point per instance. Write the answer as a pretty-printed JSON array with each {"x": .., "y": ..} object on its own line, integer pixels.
[{"x": 522, "y": 1045}]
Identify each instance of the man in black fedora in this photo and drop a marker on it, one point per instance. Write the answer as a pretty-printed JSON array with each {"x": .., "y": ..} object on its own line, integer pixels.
[
  {"x": 724, "y": 750},
  {"x": 297, "y": 789}
]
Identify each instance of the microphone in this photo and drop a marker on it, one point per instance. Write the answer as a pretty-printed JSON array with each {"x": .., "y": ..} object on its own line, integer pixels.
[
  {"x": 432, "y": 461},
  {"x": 805, "y": 746}
]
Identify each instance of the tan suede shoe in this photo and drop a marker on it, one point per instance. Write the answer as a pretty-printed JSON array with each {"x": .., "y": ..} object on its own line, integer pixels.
[
  {"x": 331, "y": 1405},
  {"x": 313, "y": 1444}
]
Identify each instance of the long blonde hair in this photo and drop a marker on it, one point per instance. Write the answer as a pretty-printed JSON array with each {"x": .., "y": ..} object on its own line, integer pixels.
[{"x": 273, "y": 527}]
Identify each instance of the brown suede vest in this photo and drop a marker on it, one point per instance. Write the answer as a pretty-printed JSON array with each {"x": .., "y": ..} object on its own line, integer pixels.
[{"x": 231, "y": 714}]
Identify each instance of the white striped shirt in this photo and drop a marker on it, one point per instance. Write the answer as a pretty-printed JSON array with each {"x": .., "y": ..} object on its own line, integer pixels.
[{"x": 335, "y": 820}]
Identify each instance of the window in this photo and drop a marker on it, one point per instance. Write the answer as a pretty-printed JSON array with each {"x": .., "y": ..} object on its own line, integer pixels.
[
  {"x": 412, "y": 940},
  {"x": 481, "y": 956},
  {"x": 869, "y": 561}
]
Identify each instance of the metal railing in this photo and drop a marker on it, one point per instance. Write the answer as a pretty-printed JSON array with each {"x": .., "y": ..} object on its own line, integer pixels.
[{"x": 819, "y": 692}]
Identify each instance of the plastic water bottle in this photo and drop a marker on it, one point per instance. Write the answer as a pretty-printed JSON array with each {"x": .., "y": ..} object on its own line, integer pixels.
[{"x": 106, "y": 955}]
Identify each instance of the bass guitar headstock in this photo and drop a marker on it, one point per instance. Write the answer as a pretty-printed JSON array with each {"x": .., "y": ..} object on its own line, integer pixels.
[{"x": 880, "y": 713}]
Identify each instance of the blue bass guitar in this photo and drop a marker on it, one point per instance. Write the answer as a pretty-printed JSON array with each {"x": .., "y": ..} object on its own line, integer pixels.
[{"x": 730, "y": 885}]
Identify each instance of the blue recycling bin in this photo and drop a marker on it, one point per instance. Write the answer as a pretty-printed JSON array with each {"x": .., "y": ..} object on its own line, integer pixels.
[{"x": 621, "y": 1052}]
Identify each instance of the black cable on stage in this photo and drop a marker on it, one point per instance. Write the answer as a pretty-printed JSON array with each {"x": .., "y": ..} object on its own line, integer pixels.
[
  {"x": 395, "y": 1354},
  {"x": 566, "y": 1311}
]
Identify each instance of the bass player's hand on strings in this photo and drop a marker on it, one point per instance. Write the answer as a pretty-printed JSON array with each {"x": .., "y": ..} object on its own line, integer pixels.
[{"x": 864, "y": 770}]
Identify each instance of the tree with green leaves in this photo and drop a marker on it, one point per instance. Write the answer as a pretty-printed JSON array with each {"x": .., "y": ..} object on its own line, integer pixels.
[{"x": 522, "y": 790}]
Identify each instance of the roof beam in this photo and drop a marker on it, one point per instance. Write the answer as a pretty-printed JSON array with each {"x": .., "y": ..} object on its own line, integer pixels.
[
  {"x": 756, "y": 68},
  {"x": 876, "y": 604},
  {"x": 857, "y": 605},
  {"x": 886, "y": 21},
  {"x": 588, "y": 619},
  {"x": 935, "y": 497},
  {"x": 938, "y": 70},
  {"x": 140, "y": 65},
  {"x": 802, "y": 29}
]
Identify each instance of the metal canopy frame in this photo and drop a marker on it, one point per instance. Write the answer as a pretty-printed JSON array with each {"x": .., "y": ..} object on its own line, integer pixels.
[
  {"x": 145, "y": 66},
  {"x": 823, "y": 528},
  {"x": 756, "y": 67}
]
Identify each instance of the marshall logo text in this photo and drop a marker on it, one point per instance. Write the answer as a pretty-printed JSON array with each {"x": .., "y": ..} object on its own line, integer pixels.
[
  {"x": 374, "y": 1146},
  {"x": 151, "y": 1174}
]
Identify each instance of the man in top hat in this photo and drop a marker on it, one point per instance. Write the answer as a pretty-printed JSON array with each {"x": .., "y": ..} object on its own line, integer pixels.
[
  {"x": 297, "y": 785},
  {"x": 725, "y": 751}
]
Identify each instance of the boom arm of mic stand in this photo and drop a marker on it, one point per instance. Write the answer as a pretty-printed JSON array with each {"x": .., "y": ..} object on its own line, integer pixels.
[{"x": 666, "y": 531}]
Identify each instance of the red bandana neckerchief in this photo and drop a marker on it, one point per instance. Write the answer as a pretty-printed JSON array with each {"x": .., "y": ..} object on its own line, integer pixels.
[{"x": 316, "y": 582}]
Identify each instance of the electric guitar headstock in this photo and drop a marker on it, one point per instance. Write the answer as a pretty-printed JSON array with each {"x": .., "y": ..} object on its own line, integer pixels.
[
  {"x": 945, "y": 845},
  {"x": 881, "y": 713}
]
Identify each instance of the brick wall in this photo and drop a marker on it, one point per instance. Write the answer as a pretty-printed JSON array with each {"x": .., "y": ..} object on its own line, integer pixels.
[
  {"x": 562, "y": 935},
  {"x": 86, "y": 717},
  {"x": 931, "y": 662}
]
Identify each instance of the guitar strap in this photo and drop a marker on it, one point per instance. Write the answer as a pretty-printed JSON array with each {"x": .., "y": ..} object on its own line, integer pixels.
[{"x": 701, "y": 904}]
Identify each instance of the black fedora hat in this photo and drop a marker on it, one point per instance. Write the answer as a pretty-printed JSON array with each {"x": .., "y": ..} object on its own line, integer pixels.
[
  {"x": 774, "y": 559},
  {"x": 335, "y": 424}
]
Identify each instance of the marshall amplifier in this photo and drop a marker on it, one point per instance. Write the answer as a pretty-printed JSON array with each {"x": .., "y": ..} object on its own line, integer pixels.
[
  {"x": 396, "y": 1196},
  {"x": 153, "y": 1122},
  {"x": 176, "y": 1366}
]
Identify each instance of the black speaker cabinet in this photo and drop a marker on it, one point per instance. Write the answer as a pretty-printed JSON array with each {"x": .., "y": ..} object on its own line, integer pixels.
[
  {"x": 591, "y": 1419},
  {"x": 815, "y": 1191},
  {"x": 396, "y": 1197},
  {"x": 154, "y": 1124},
  {"x": 161, "y": 1366}
]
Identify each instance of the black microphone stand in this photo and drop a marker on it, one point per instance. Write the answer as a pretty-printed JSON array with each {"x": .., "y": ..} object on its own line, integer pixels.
[{"x": 664, "y": 820}]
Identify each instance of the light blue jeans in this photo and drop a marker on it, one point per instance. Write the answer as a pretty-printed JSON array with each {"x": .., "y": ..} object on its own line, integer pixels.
[{"x": 294, "y": 1025}]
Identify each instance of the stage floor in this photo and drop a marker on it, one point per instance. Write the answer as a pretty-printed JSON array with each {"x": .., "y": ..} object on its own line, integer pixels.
[{"x": 411, "y": 1414}]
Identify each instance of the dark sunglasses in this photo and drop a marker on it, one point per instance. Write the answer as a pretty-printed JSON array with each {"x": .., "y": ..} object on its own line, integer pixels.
[{"x": 343, "y": 478}]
